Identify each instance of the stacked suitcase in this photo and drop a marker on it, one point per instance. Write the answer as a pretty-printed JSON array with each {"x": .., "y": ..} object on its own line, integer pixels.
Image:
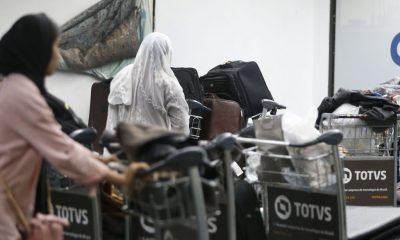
[{"x": 233, "y": 91}]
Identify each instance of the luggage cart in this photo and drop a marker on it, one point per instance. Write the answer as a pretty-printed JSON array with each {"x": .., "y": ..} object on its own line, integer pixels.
[
  {"x": 369, "y": 151},
  {"x": 174, "y": 195},
  {"x": 71, "y": 200},
  {"x": 155, "y": 207},
  {"x": 306, "y": 202},
  {"x": 219, "y": 152}
]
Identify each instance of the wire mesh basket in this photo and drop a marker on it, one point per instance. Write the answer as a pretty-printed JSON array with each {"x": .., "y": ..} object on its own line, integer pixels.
[
  {"x": 303, "y": 167},
  {"x": 367, "y": 147},
  {"x": 286, "y": 173},
  {"x": 170, "y": 201},
  {"x": 362, "y": 137}
]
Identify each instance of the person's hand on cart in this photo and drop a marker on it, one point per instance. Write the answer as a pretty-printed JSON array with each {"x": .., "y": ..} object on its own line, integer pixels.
[
  {"x": 121, "y": 175},
  {"x": 126, "y": 178},
  {"x": 133, "y": 182},
  {"x": 108, "y": 159}
]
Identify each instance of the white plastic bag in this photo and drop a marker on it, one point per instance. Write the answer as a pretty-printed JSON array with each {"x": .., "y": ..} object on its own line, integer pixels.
[
  {"x": 357, "y": 136},
  {"x": 298, "y": 130}
]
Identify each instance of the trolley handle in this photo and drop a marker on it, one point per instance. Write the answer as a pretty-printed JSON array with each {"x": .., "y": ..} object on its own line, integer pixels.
[
  {"x": 84, "y": 135},
  {"x": 182, "y": 159},
  {"x": 224, "y": 141},
  {"x": 331, "y": 137},
  {"x": 109, "y": 141},
  {"x": 270, "y": 105}
]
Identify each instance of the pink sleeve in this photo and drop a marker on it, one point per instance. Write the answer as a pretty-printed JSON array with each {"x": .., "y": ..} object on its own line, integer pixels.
[{"x": 31, "y": 118}]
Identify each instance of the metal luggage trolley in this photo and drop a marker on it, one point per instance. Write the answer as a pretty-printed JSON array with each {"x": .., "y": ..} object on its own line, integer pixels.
[
  {"x": 219, "y": 152},
  {"x": 305, "y": 201},
  {"x": 173, "y": 201},
  {"x": 71, "y": 201},
  {"x": 195, "y": 111},
  {"x": 369, "y": 151}
]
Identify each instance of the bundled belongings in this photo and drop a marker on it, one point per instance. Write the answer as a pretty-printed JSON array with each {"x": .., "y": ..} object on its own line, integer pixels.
[
  {"x": 389, "y": 89},
  {"x": 378, "y": 109},
  {"x": 366, "y": 120},
  {"x": 239, "y": 81}
]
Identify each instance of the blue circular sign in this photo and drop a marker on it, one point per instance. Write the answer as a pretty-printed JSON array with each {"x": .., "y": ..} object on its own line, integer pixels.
[{"x": 393, "y": 49}]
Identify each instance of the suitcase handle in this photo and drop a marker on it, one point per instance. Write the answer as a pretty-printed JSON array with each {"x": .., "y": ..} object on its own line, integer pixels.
[{"x": 229, "y": 64}]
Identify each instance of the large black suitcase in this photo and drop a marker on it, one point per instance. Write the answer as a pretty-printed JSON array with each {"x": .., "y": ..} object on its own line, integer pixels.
[
  {"x": 99, "y": 109},
  {"x": 189, "y": 80},
  {"x": 239, "y": 81}
]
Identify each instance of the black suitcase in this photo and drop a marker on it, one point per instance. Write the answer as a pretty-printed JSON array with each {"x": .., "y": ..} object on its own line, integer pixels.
[
  {"x": 189, "y": 80},
  {"x": 99, "y": 109},
  {"x": 239, "y": 81}
]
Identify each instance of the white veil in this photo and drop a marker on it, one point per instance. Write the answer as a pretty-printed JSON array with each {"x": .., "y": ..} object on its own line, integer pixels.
[
  {"x": 147, "y": 91},
  {"x": 151, "y": 67}
]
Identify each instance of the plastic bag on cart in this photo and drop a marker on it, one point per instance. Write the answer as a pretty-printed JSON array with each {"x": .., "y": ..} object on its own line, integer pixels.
[
  {"x": 269, "y": 170},
  {"x": 291, "y": 128},
  {"x": 298, "y": 130},
  {"x": 356, "y": 134}
]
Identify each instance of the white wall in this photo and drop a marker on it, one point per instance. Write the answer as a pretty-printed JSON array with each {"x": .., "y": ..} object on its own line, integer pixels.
[
  {"x": 72, "y": 88},
  {"x": 321, "y": 51},
  {"x": 288, "y": 39}
]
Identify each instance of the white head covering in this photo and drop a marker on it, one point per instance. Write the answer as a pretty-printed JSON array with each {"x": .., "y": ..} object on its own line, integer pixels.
[
  {"x": 152, "y": 66},
  {"x": 147, "y": 91}
]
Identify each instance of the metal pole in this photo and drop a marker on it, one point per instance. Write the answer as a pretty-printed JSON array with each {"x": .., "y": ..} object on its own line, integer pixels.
[
  {"x": 128, "y": 222},
  {"x": 332, "y": 40},
  {"x": 340, "y": 193},
  {"x": 198, "y": 201},
  {"x": 231, "y": 215},
  {"x": 154, "y": 15},
  {"x": 97, "y": 216}
]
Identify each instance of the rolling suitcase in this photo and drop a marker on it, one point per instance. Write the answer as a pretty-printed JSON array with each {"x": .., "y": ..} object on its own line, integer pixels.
[
  {"x": 239, "y": 81},
  {"x": 225, "y": 116},
  {"x": 99, "y": 109},
  {"x": 189, "y": 81}
]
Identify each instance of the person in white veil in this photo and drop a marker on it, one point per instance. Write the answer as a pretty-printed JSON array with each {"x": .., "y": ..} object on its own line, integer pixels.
[{"x": 147, "y": 91}]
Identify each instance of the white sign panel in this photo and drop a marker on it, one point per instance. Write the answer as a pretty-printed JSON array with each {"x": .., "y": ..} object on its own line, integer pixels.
[{"x": 367, "y": 43}]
